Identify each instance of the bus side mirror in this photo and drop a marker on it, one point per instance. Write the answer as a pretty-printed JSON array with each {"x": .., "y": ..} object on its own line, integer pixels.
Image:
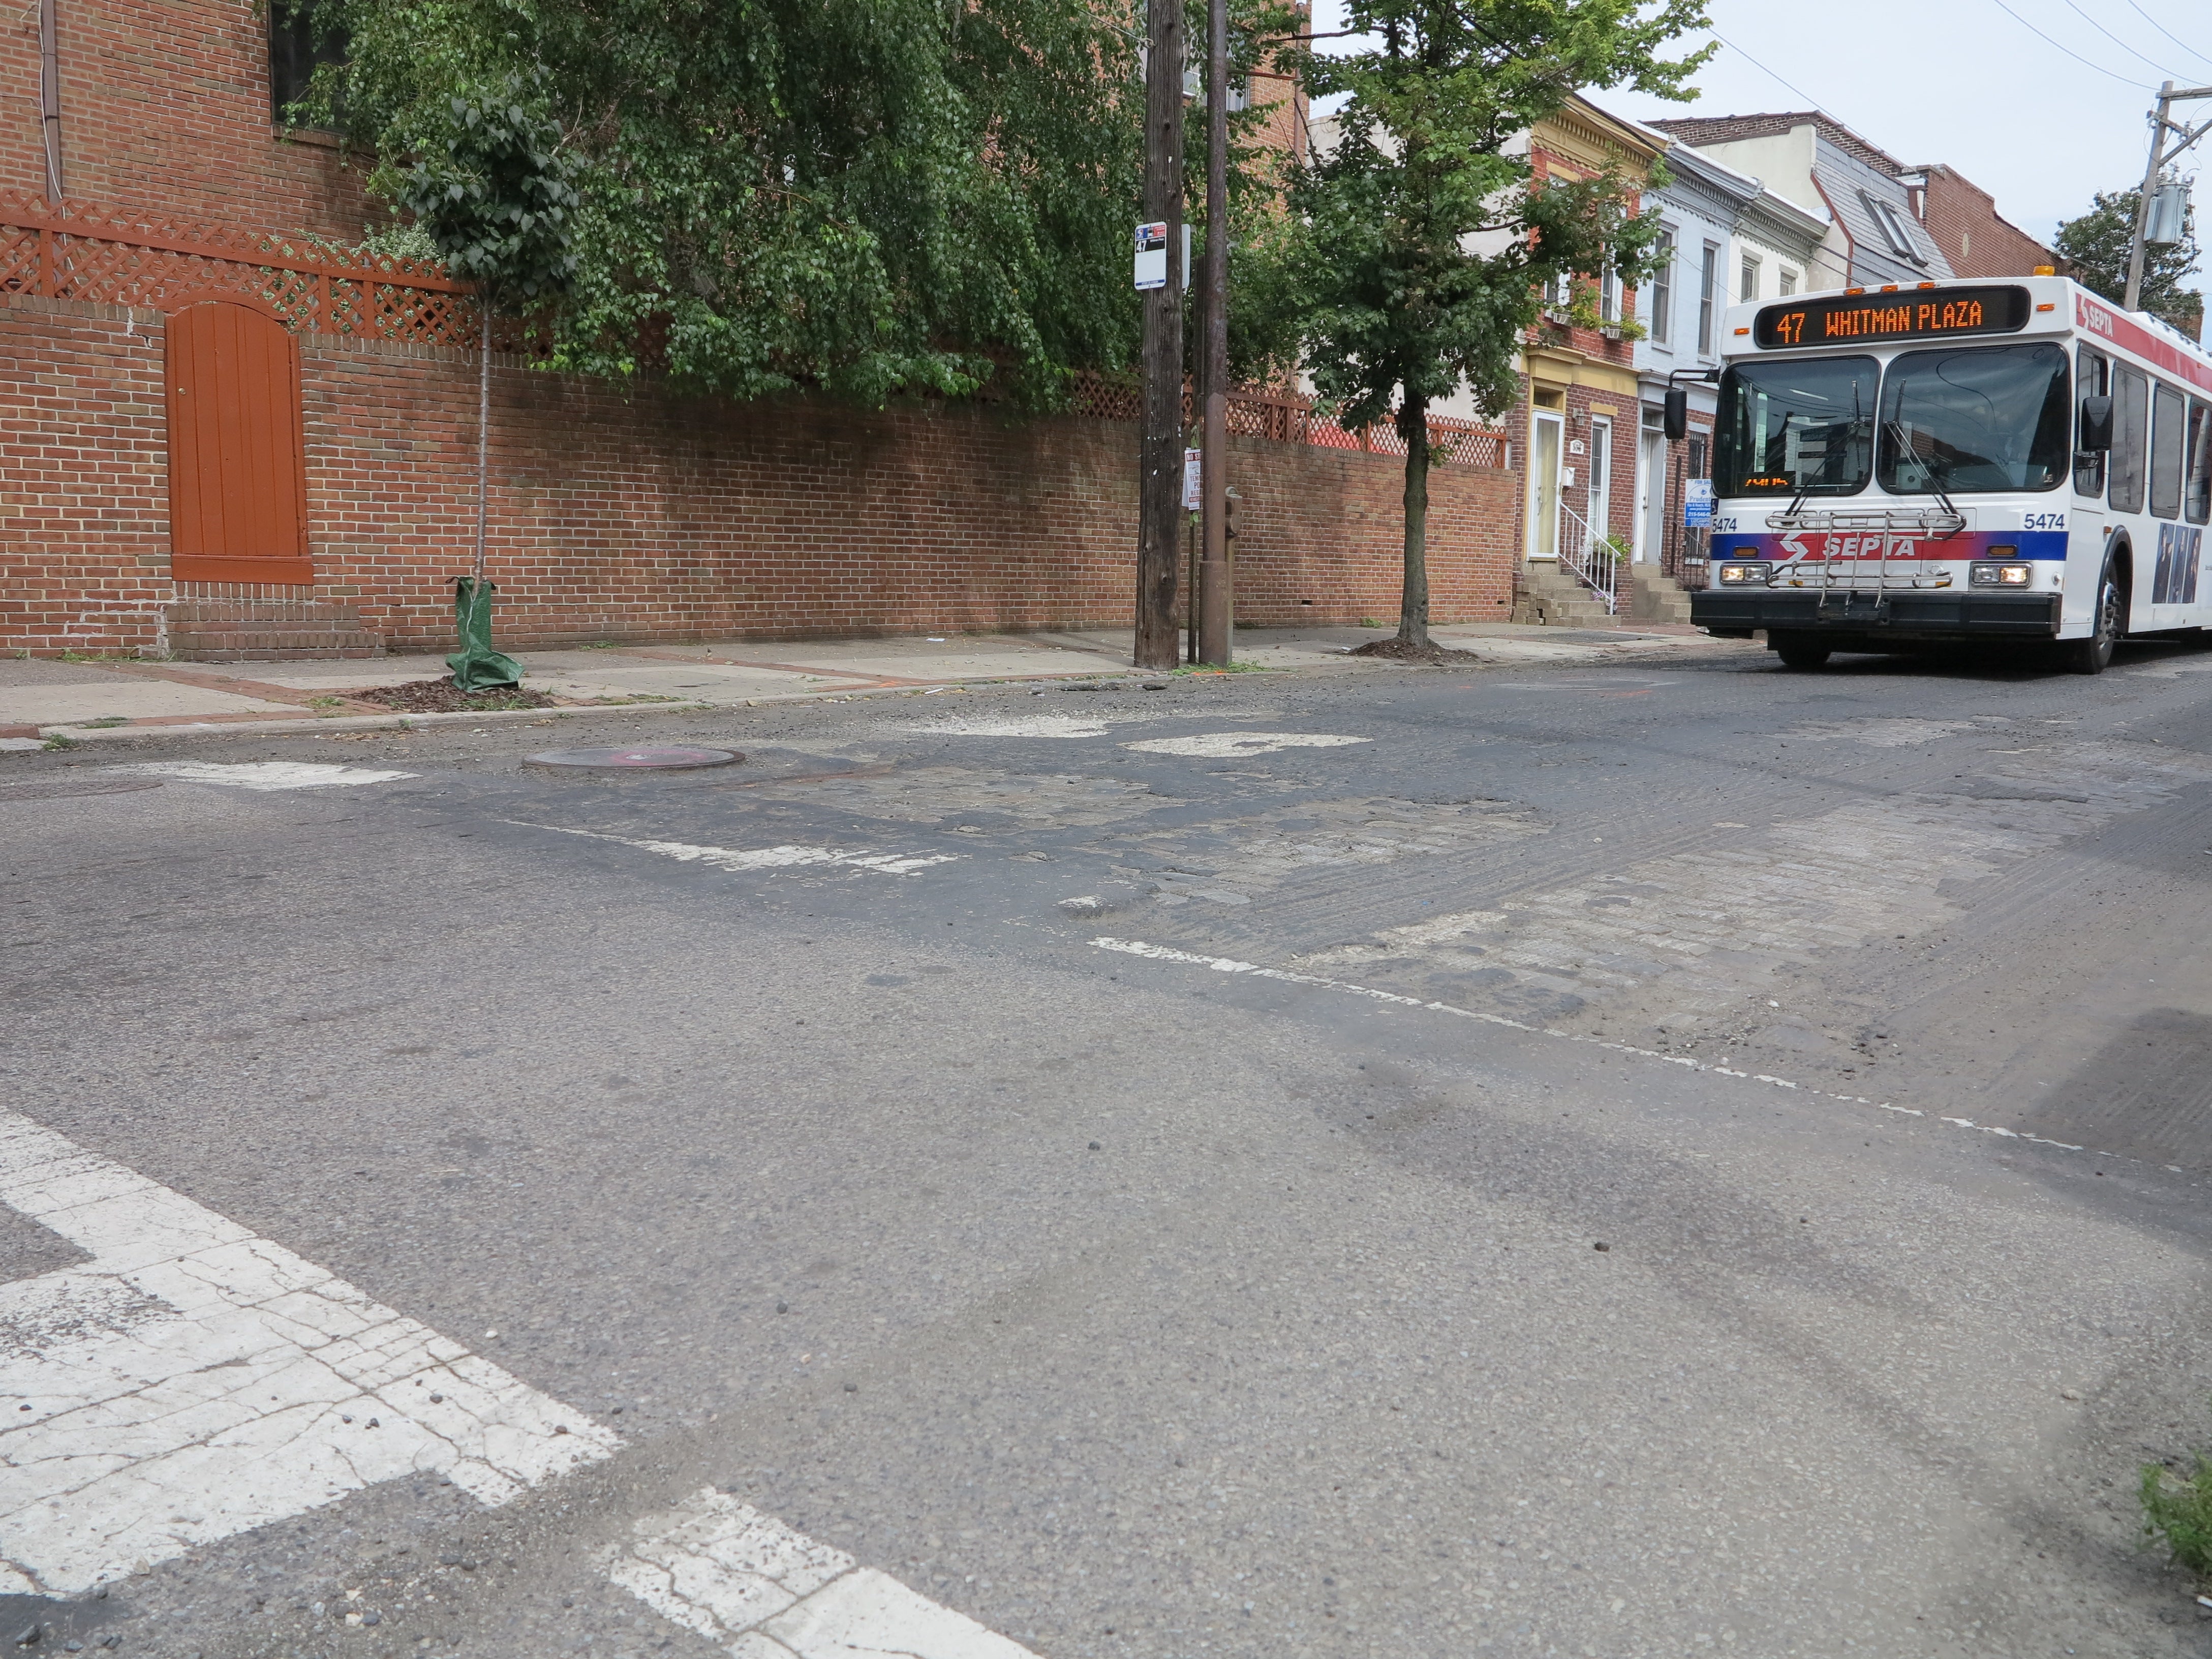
[
  {"x": 1678, "y": 413},
  {"x": 2096, "y": 426}
]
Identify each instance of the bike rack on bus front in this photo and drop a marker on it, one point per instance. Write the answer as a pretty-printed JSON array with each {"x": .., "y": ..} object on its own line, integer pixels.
[{"x": 1892, "y": 526}]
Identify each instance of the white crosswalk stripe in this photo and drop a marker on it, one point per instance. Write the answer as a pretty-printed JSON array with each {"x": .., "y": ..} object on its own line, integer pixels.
[
  {"x": 762, "y": 1591},
  {"x": 191, "y": 1380}
]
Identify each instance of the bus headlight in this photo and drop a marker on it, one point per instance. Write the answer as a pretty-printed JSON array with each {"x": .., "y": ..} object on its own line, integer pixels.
[
  {"x": 1985, "y": 572},
  {"x": 1757, "y": 573}
]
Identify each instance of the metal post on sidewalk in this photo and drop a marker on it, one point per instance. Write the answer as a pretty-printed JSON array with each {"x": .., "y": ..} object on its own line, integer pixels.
[
  {"x": 1161, "y": 446},
  {"x": 1214, "y": 642}
]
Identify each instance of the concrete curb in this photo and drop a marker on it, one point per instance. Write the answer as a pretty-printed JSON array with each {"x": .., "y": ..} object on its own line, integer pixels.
[
  {"x": 392, "y": 722},
  {"x": 398, "y": 722},
  {"x": 328, "y": 725}
]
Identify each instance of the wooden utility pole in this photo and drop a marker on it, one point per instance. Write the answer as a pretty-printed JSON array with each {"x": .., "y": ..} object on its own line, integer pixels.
[
  {"x": 1213, "y": 591},
  {"x": 2142, "y": 202},
  {"x": 2161, "y": 122},
  {"x": 1159, "y": 502}
]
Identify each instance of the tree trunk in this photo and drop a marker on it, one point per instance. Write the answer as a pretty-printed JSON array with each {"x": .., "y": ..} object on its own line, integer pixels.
[
  {"x": 483, "y": 434},
  {"x": 1414, "y": 603}
]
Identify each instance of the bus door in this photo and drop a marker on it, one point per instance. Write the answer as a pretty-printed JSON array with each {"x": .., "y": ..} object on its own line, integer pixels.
[{"x": 2085, "y": 539}]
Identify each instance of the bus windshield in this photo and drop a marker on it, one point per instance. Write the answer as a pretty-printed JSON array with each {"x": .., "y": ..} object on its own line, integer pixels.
[
  {"x": 1978, "y": 418},
  {"x": 1796, "y": 428}
]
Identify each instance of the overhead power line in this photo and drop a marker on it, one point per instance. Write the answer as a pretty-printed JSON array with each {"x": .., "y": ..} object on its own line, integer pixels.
[
  {"x": 2169, "y": 34},
  {"x": 2073, "y": 7},
  {"x": 1771, "y": 76},
  {"x": 2124, "y": 80}
]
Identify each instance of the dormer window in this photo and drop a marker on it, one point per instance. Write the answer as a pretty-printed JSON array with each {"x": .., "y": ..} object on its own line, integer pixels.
[{"x": 1891, "y": 225}]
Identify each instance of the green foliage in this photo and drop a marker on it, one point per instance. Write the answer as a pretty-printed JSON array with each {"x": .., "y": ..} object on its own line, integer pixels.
[
  {"x": 1421, "y": 246},
  {"x": 2180, "y": 1511},
  {"x": 869, "y": 198},
  {"x": 493, "y": 191},
  {"x": 2096, "y": 246}
]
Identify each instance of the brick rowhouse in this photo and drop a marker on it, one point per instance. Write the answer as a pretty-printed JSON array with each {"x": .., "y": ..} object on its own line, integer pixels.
[{"x": 619, "y": 511}]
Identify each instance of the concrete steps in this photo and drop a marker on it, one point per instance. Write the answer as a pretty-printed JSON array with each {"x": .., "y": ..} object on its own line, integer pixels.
[
  {"x": 266, "y": 630},
  {"x": 1649, "y": 596},
  {"x": 1544, "y": 594}
]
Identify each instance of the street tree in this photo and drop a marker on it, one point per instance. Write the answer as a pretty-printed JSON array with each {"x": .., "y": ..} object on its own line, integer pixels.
[
  {"x": 867, "y": 200},
  {"x": 494, "y": 192},
  {"x": 1417, "y": 246},
  {"x": 2095, "y": 246}
]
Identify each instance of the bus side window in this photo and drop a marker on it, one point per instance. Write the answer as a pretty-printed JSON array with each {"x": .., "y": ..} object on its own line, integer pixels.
[
  {"x": 2197, "y": 502},
  {"x": 2093, "y": 380},
  {"x": 2169, "y": 411},
  {"x": 2130, "y": 424}
]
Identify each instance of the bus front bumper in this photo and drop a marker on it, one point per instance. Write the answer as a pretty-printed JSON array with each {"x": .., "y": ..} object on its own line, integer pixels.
[{"x": 1898, "y": 614}]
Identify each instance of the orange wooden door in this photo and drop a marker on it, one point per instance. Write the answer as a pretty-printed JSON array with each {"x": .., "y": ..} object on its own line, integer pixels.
[{"x": 238, "y": 496}]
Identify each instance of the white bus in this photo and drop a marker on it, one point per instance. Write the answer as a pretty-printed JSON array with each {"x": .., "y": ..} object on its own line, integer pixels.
[{"x": 2017, "y": 461}]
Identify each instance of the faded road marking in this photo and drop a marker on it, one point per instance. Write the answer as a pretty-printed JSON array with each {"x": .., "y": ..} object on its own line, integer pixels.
[
  {"x": 959, "y": 794},
  {"x": 766, "y": 858},
  {"x": 191, "y": 1380},
  {"x": 262, "y": 775},
  {"x": 1034, "y": 725},
  {"x": 762, "y": 1591},
  {"x": 1231, "y": 745},
  {"x": 1231, "y": 965}
]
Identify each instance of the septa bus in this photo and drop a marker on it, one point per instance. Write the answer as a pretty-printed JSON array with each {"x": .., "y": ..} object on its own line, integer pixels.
[{"x": 2011, "y": 461}]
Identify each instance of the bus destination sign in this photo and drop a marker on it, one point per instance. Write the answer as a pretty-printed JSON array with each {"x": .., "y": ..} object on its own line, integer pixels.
[{"x": 1907, "y": 314}]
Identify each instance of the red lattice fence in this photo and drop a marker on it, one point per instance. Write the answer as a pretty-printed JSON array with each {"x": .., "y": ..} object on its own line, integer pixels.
[
  {"x": 81, "y": 251},
  {"x": 1287, "y": 417}
]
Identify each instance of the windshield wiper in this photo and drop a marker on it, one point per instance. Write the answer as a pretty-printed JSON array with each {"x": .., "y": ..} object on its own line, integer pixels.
[{"x": 1898, "y": 435}]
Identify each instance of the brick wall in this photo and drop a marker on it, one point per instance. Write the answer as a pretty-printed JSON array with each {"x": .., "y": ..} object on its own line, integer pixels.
[
  {"x": 166, "y": 112},
  {"x": 620, "y": 513},
  {"x": 84, "y": 493},
  {"x": 1962, "y": 218}
]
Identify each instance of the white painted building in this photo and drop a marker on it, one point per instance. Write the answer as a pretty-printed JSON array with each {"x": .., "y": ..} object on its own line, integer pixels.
[{"x": 1680, "y": 309}]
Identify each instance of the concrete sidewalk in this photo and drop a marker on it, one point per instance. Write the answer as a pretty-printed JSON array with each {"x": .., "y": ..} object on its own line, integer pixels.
[{"x": 41, "y": 700}]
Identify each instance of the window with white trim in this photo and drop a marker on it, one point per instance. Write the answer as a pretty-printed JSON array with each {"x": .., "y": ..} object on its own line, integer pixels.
[
  {"x": 1662, "y": 307},
  {"x": 1709, "y": 296}
]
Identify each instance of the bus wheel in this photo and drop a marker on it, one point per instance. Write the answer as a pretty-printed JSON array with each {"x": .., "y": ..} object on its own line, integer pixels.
[
  {"x": 1799, "y": 650},
  {"x": 2094, "y": 654}
]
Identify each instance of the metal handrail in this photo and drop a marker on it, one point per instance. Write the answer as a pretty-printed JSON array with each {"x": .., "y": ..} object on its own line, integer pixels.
[{"x": 1590, "y": 561}]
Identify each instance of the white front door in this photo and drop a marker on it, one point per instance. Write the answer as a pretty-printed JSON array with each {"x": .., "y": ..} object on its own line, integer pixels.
[
  {"x": 1651, "y": 497},
  {"x": 1547, "y": 439},
  {"x": 1600, "y": 478}
]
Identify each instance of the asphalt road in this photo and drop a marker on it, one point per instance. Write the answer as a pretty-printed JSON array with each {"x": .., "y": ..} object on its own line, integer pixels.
[{"x": 1583, "y": 1161}]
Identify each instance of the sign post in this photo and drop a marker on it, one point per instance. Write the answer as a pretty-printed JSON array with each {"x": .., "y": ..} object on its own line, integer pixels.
[
  {"x": 1697, "y": 504},
  {"x": 1214, "y": 612},
  {"x": 1159, "y": 482}
]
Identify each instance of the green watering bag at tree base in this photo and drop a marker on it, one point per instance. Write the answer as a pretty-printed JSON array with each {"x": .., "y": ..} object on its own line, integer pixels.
[{"x": 476, "y": 666}]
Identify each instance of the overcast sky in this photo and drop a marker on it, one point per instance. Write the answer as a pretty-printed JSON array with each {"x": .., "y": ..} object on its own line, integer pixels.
[{"x": 1961, "y": 82}]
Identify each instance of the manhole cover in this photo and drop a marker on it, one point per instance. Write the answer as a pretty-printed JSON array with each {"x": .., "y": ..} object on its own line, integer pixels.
[{"x": 648, "y": 758}]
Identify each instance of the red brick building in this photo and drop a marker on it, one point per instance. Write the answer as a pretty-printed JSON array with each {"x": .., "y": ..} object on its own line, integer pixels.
[
  {"x": 1576, "y": 419},
  {"x": 618, "y": 510},
  {"x": 1961, "y": 218}
]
